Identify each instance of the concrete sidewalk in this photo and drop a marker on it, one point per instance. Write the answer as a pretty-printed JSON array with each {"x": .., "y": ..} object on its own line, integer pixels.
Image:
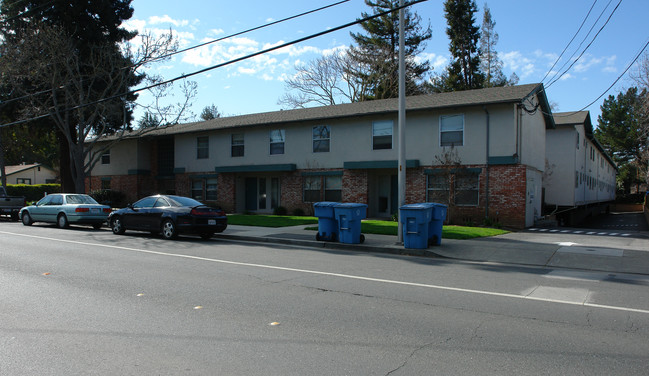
[{"x": 586, "y": 250}]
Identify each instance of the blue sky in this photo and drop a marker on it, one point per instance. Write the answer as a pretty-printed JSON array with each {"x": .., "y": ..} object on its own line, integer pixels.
[{"x": 532, "y": 34}]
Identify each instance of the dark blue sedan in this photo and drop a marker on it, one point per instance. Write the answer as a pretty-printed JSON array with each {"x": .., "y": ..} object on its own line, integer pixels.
[{"x": 169, "y": 216}]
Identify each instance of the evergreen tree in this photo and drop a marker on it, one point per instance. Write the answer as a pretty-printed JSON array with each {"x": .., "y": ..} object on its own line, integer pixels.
[
  {"x": 77, "y": 45},
  {"x": 210, "y": 112},
  {"x": 376, "y": 51},
  {"x": 464, "y": 71},
  {"x": 490, "y": 64},
  {"x": 619, "y": 131}
]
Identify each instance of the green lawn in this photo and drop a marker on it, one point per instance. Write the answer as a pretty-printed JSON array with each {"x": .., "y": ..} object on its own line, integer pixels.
[
  {"x": 270, "y": 220},
  {"x": 367, "y": 226}
]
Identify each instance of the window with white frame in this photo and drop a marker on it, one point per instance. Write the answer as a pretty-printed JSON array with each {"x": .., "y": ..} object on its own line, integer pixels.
[
  {"x": 321, "y": 138},
  {"x": 237, "y": 149},
  {"x": 323, "y": 188},
  {"x": 202, "y": 147},
  {"x": 277, "y": 140},
  {"x": 438, "y": 188},
  {"x": 382, "y": 134},
  {"x": 197, "y": 189},
  {"x": 451, "y": 130},
  {"x": 26, "y": 181},
  {"x": 467, "y": 189},
  {"x": 105, "y": 157},
  {"x": 312, "y": 188},
  {"x": 204, "y": 189}
]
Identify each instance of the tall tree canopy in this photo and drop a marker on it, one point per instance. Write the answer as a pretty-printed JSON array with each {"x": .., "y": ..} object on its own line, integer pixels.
[
  {"x": 71, "y": 60},
  {"x": 463, "y": 73},
  {"x": 69, "y": 52},
  {"x": 376, "y": 51},
  {"x": 620, "y": 128}
]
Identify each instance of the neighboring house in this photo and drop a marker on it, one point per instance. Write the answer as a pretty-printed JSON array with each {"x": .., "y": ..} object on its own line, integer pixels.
[
  {"x": 579, "y": 174},
  {"x": 495, "y": 139},
  {"x": 30, "y": 174}
]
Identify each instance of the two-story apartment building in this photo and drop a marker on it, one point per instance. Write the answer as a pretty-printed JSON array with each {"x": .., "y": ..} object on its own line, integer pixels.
[
  {"x": 482, "y": 152},
  {"x": 579, "y": 174}
]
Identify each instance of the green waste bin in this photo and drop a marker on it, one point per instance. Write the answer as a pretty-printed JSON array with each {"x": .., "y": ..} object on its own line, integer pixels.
[
  {"x": 349, "y": 216},
  {"x": 327, "y": 223}
]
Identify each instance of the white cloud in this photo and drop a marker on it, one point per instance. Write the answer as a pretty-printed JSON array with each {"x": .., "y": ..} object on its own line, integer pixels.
[
  {"x": 516, "y": 62},
  {"x": 132, "y": 25},
  {"x": 586, "y": 62},
  {"x": 156, "y": 20}
]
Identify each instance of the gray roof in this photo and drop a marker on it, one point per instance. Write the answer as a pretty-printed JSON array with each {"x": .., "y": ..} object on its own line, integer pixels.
[
  {"x": 497, "y": 95},
  {"x": 572, "y": 118}
]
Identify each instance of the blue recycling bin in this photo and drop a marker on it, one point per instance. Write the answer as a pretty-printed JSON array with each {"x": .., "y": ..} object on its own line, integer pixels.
[
  {"x": 327, "y": 223},
  {"x": 415, "y": 223},
  {"x": 349, "y": 216},
  {"x": 438, "y": 216}
]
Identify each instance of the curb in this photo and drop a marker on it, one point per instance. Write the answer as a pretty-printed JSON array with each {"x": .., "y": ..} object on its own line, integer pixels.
[{"x": 334, "y": 245}]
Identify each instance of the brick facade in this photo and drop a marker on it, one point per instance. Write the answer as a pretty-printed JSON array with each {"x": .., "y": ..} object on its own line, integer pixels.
[{"x": 507, "y": 191}]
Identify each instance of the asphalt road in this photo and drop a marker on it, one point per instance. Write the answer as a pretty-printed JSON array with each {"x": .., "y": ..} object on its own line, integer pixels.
[{"x": 85, "y": 302}]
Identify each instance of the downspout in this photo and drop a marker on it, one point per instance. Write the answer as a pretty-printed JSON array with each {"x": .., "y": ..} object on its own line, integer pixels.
[
  {"x": 517, "y": 115},
  {"x": 487, "y": 166}
]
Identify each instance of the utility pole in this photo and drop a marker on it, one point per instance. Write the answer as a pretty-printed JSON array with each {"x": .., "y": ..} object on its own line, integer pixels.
[{"x": 402, "y": 119}]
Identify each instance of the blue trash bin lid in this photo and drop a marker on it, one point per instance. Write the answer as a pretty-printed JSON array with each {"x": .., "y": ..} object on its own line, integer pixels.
[
  {"x": 325, "y": 204},
  {"x": 350, "y": 205},
  {"x": 418, "y": 206}
]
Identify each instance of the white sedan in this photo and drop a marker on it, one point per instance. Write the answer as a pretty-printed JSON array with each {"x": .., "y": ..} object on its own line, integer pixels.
[{"x": 64, "y": 209}]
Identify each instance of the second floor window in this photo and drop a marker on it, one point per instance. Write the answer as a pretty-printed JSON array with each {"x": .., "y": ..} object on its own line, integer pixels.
[
  {"x": 321, "y": 138},
  {"x": 202, "y": 147},
  {"x": 451, "y": 130},
  {"x": 382, "y": 135},
  {"x": 105, "y": 157},
  {"x": 237, "y": 145},
  {"x": 277, "y": 139}
]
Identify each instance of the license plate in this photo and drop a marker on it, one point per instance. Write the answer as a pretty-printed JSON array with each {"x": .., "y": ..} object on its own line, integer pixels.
[
  {"x": 95, "y": 210},
  {"x": 211, "y": 222}
]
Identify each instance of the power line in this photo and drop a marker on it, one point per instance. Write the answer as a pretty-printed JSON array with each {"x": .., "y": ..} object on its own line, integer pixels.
[
  {"x": 616, "y": 80},
  {"x": 571, "y": 40},
  {"x": 261, "y": 52},
  {"x": 588, "y": 46},
  {"x": 194, "y": 47}
]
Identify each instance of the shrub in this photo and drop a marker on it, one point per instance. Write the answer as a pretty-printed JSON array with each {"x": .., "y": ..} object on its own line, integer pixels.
[
  {"x": 280, "y": 210},
  {"x": 32, "y": 192},
  {"x": 298, "y": 212}
]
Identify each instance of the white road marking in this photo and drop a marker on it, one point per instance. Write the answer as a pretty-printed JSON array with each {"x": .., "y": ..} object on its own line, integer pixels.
[{"x": 347, "y": 276}]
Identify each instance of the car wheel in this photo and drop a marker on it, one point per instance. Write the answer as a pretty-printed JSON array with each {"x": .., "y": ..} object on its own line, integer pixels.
[
  {"x": 15, "y": 217},
  {"x": 168, "y": 229},
  {"x": 117, "y": 226},
  {"x": 27, "y": 219},
  {"x": 207, "y": 235},
  {"x": 62, "y": 221},
  {"x": 97, "y": 226}
]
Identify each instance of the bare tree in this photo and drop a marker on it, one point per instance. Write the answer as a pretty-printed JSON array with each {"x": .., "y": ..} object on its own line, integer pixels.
[
  {"x": 328, "y": 80},
  {"x": 85, "y": 96}
]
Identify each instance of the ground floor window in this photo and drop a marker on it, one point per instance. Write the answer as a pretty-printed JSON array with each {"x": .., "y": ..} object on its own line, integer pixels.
[
  {"x": 24, "y": 181},
  {"x": 467, "y": 189},
  {"x": 438, "y": 189},
  {"x": 105, "y": 184},
  {"x": 461, "y": 187},
  {"x": 204, "y": 189},
  {"x": 323, "y": 188}
]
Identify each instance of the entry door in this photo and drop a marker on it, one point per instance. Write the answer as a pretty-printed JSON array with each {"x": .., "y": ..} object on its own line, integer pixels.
[{"x": 262, "y": 194}]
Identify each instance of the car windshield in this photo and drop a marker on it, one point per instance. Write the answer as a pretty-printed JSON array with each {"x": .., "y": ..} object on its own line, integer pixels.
[
  {"x": 80, "y": 199},
  {"x": 183, "y": 201}
]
